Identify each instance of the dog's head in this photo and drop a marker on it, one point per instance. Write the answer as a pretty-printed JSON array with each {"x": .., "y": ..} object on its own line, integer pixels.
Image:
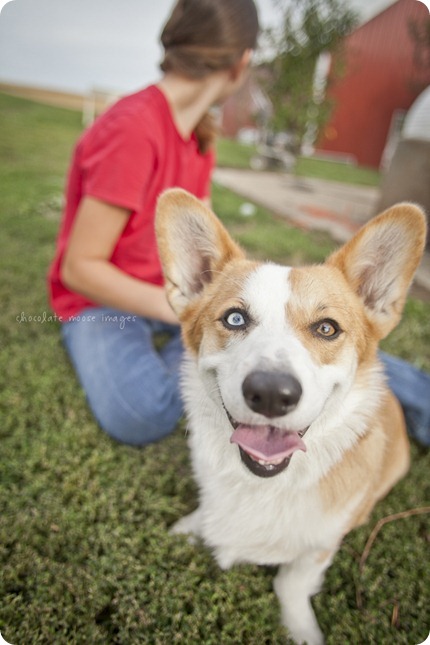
[{"x": 281, "y": 347}]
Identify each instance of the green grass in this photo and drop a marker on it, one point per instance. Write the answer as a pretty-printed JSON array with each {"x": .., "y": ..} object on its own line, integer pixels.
[
  {"x": 337, "y": 171},
  {"x": 267, "y": 237},
  {"x": 235, "y": 155},
  {"x": 85, "y": 554}
]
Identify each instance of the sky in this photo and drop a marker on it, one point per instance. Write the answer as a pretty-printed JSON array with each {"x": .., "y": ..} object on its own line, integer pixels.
[{"x": 110, "y": 45}]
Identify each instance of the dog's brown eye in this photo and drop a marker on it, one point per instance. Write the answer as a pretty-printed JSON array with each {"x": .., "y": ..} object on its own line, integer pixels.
[{"x": 326, "y": 329}]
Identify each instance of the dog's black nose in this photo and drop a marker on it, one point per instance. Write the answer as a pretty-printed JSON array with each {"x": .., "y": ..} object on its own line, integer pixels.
[{"x": 271, "y": 394}]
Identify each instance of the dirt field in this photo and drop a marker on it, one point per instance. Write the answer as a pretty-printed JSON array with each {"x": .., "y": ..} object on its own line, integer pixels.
[
  {"x": 50, "y": 97},
  {"x": 89, "y": 104}
]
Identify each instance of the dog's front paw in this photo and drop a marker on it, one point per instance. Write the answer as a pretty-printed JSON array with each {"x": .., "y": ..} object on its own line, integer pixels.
[
  {"x": 188, "y": 525},
  {"x": 296, "y": 610},
  {"x": 302, "y": 626},
  {"x": 311, "y": 635}
]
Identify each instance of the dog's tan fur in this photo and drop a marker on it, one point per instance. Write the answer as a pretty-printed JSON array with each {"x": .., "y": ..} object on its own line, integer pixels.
[{"x": 377, "y": 461}]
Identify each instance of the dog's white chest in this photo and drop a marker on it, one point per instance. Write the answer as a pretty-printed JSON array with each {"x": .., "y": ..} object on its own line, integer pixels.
[{"x": 262, "y": 524}]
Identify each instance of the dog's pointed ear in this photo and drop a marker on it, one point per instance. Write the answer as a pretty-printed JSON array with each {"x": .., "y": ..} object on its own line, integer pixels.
[
  {"x": 379, "y": 262},
  {"x": 193, "y": 246}
]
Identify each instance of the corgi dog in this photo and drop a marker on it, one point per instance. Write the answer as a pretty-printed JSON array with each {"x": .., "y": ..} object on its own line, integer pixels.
[{"x": 294, "y": 434}]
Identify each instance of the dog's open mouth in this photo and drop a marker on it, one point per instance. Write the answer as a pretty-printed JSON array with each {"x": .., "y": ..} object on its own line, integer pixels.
[{"x": 265, "y": 450}]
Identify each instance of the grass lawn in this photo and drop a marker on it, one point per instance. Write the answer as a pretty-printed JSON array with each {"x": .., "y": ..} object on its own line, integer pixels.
[
  {"x": 232, "y": 154},
  {"x": 235, "y": 155},
  {"x": 337, "y": 171},
  {"x": 85, "y": 554}
]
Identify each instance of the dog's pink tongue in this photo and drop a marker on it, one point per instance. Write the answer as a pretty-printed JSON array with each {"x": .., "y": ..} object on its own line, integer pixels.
[{"x": 267, "y": 443}]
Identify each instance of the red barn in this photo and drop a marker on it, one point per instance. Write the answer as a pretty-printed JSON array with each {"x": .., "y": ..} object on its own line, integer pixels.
[{"x": 385, "y": 70}]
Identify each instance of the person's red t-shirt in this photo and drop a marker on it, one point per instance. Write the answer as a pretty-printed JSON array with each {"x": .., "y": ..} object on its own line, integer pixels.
[{"x": 127, "y": 158}]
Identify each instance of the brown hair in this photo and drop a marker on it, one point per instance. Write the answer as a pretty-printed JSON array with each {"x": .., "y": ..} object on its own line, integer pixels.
[{"x": 205, "y": 36}]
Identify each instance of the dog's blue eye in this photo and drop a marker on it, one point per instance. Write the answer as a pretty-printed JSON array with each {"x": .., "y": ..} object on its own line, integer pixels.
[{"x": 234, "y": 319}]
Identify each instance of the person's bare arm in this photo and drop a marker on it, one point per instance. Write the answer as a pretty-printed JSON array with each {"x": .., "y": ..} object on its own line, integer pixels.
[{"x": 86, "y": 268}]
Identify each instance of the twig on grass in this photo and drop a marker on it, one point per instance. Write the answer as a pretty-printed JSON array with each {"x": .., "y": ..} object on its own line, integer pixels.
[
  {"x": 372, "y": 537},
  {"x": 381, "y": 523},
  {"x": 395, "y": 615}
]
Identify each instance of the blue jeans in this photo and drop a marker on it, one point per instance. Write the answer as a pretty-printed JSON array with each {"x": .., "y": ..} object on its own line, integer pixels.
[
  {"x": 412, "y": 388},
  {"x": 133, "y": 389}
]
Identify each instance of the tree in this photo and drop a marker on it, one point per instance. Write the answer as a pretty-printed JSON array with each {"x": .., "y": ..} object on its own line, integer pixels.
[{"x": 308, "y": 29}]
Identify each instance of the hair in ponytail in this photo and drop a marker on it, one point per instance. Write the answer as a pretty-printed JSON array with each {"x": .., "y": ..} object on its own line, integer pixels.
[{"x": 205, "y": 36}]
